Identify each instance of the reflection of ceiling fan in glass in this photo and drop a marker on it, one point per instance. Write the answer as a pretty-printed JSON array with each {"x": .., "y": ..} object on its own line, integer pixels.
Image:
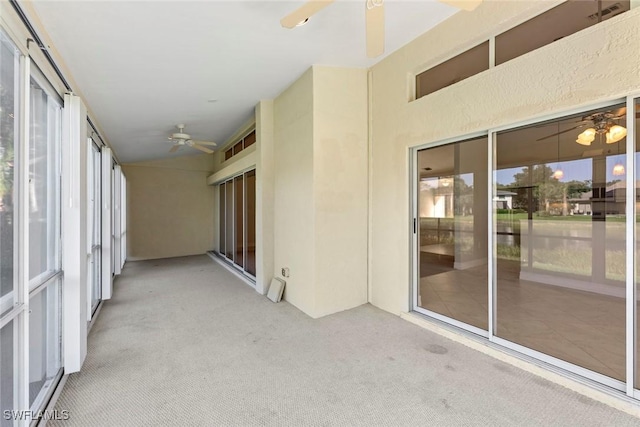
[{"x": 600, "y": 123}]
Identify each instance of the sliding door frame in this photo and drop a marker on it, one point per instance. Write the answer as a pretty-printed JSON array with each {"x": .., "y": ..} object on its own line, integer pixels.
[{"x": 231, "y": 181}]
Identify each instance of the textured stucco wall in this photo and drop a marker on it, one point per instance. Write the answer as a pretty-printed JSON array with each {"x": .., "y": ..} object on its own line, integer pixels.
[
  {"x": 340, "y": 162},
  {"x": 293, "y": 191},
  {"x": 598, "y": 64}
]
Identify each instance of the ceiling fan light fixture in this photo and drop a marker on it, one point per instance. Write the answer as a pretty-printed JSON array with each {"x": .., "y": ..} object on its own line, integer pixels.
[
  {"x": 587, "y": 136},
  {"x": 618, "y": 169},
  {"x": 616, "y": 133},
  {"x": 301, "y": 23},
  {"x": 558, "y": 174}
]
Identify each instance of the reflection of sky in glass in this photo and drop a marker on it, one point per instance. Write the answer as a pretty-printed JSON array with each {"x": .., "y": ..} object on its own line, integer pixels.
[{"x": 575, "y": 170}]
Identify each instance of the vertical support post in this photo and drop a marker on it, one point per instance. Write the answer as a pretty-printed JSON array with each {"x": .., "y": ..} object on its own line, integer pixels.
[
  {"x": 21, "y": 322},
  {"x": 74, "y": 232}
]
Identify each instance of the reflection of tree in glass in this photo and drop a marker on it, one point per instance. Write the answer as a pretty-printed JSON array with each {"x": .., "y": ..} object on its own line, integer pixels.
[{"x": 549, "y": 195}]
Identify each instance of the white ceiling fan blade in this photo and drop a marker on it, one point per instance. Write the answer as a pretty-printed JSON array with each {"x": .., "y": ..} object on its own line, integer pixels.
[
  {"x": 305, "y": 11},
  {"x": 467, "y": 5},
  {"x": 204, "y": 143},
  {"x": 375, "y": 28},
  {"x": 174, "y": 148},
  {"x": 201, "y": 148}
]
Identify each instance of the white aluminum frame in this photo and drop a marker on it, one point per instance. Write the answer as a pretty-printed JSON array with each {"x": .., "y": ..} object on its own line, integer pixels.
[
  {"x": 628, "y": 387},
  {"x": 106, "y": 240},
  {"x": 117, "y": 232}
]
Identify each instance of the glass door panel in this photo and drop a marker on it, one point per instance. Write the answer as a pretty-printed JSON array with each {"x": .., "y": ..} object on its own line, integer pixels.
[
  {"x": 452, "y": 231},
  {"x": 239, "y": 220},
  {"x": 559, "y": 211},
  {"x": 228, "y": 232},
  {"x": 250, "y": 264},
  {"x": 221, "y": 218}
]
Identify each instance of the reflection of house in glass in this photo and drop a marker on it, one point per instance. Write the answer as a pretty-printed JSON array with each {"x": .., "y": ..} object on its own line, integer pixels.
[
  {"x": 503, "y": 199},
  {"x": 609, "y": 200}
]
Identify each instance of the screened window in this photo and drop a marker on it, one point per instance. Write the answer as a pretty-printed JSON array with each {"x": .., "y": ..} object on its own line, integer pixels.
[
  {"x": 9, "y": 115},
  {"x": 44, "y": 183},
  {"x": 240, "y": 145}
]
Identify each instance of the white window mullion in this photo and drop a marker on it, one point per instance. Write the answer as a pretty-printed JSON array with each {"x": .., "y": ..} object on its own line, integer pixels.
[
  {"x": 105, "y": 206},
  {"x": 630, "y": 247},
  {"x": 21, "y": 325}
]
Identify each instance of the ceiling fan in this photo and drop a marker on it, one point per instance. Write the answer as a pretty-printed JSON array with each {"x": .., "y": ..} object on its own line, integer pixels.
[
  {"x": 374, "y": 16},
  {"x": 600, "y": 123},
  {"x": 181, "y": 138}
]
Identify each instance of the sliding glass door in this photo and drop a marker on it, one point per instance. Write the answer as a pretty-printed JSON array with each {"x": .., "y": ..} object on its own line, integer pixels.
[
  {"x": 236, "y": 209},
  {"x": 452, "y": 231},
  {"x": 526, "y": 237},
  {"x": 560, "y": 258}
]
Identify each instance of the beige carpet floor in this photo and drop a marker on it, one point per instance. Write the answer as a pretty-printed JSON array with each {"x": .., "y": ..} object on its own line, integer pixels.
[{"x": 185, "y": 343}]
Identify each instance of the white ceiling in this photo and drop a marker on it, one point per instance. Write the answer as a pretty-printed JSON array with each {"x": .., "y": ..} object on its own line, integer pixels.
[{"x": 144, "y": 66}]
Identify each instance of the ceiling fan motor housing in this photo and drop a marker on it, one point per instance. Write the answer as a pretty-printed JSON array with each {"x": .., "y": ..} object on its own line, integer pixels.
[{"x": 180, "y": 135}]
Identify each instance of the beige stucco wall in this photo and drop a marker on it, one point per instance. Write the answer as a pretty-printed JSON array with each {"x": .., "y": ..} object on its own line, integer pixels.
[
  {"x": 598, "y": 64},
  {"x": 320, "y": 188},
  {"x": 265, "y": 173},
  {"x": 293, "y": 191},
  {"x": 169, "y": 207},
  {"x": 340, "y": 162}
]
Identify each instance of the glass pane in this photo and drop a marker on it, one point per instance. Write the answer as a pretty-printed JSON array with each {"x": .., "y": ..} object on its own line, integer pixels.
[
  {"x": 452, "y": 235},
  {"x": 6, "y": 372},
  {"x": 237, "y": 148},
  {"x": 465, "y": 65},
  {"x": 559, "y": 207},
  {"x": 229, "y": 220},
  {"x": 561, "y": 21},
  {"x": 250, "y": 179},
  {"x": 43, "y": 183},
  {"x": 44, "y": 342},
  {"x": 228, "y": 154},
  {"x": 9, "y": 99},
  {"x": 250, "y": 139},
  {"x": 221, "y": 218},
  {"x": 239, "y": 221}
]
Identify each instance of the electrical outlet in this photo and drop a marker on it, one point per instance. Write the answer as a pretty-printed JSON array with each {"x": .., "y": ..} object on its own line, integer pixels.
[{"x": 284, "y": 272}]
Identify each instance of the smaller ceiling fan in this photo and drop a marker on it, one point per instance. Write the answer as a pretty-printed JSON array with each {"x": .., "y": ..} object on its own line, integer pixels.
[
  {"x": 374, "y": 19},
  {"x": 181, "y": 138}
]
